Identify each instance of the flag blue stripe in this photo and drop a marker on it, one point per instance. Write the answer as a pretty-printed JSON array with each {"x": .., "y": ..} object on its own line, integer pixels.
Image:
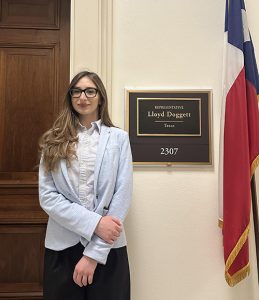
[
  {"x": 235, "y": 24},
  {"x": 250, "y": 65}
]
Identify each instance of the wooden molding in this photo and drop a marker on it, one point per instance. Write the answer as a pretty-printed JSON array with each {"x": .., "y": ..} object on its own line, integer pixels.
[{"x": 106, "y": 45}]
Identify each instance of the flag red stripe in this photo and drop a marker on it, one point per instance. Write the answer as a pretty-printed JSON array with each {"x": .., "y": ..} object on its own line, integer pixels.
[
  {"x": 253, "y": 121},
  {"x": 236, "y": 172}
]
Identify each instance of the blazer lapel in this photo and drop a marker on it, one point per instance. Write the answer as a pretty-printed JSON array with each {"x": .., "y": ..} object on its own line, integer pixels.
[
  {"x": 104, "y": 137},
  {"x": 63, "y": 166}
]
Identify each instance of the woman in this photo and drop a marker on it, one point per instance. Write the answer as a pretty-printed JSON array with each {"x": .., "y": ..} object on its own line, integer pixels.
[{"x": 85, "y": 186}]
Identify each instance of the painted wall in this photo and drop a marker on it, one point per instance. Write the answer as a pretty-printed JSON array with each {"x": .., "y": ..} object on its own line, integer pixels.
[{"x": 175, "y": 246}]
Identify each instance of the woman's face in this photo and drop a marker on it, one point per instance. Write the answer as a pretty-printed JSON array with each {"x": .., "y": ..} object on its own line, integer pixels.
[{"x": 86, "y": 104}]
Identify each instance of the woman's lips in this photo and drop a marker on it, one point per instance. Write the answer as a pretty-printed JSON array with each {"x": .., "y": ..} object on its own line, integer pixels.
[{"x": 83, "y": 105}]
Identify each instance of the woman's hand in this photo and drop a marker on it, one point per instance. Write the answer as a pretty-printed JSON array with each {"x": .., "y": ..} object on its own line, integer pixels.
[
  {"x": 109, "y": 229},
  {"x": 84, "y": 271}
]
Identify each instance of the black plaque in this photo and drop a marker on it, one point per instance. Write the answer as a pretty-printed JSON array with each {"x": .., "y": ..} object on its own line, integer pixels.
[{"x": 169, "y": 127}]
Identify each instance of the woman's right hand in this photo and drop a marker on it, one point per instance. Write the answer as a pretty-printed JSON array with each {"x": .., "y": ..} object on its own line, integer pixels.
[{"x": 109, "y": 229}]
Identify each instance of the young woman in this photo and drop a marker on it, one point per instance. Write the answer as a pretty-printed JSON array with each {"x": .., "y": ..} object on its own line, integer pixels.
[{"x": 85, "y": 186}]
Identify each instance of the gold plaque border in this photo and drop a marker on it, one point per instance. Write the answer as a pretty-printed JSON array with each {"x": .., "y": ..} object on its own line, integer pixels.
[{"x": 166, "y": 91}]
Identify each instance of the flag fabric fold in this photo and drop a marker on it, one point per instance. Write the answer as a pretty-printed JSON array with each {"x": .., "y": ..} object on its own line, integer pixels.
[{"x": 239, "y": 141}]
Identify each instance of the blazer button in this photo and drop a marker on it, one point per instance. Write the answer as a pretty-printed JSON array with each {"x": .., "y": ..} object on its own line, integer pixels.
[{"x": 96, "y": 196}]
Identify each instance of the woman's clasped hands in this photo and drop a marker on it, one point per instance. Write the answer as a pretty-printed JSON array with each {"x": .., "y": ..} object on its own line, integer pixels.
[{"x": 108, "y": 229}]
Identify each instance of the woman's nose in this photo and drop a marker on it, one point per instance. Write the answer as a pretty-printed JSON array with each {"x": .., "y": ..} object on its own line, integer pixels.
[{"x": 83, "y": 96}]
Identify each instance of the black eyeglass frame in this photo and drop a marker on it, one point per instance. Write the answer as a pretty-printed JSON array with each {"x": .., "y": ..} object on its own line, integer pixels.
[{"x": 81, "y": 91}]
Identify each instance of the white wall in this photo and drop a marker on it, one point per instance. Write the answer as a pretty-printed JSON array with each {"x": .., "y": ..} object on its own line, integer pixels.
[{"x": 175, "y": 246}]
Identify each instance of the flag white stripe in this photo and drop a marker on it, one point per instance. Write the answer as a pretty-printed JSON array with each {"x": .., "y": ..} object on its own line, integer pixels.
[{"x": 245, "y": 26}]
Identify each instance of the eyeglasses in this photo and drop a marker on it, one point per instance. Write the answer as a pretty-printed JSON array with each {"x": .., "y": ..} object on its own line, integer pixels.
[{"x": 89, "y": 92}]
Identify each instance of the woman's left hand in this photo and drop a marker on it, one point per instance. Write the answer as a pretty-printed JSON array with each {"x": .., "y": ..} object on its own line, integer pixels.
[{"x": 84, "y": 271}]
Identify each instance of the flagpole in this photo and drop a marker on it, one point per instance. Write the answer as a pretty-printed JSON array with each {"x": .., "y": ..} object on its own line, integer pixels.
[{"x": 256, "y": 223}]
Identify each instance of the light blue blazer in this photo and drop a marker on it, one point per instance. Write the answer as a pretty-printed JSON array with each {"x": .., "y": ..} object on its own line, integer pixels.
[{"x": 69, "y": 222}]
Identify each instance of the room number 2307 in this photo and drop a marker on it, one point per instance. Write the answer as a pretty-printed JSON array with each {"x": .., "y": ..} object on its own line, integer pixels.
[{"x": 168, "y": 151}]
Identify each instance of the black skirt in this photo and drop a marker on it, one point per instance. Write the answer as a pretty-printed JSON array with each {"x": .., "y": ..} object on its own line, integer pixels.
[{"x": 111, "y": 281}]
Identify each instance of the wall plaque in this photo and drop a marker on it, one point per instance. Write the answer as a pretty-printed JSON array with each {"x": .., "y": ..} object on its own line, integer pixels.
[{"x": 169, "y": 127}]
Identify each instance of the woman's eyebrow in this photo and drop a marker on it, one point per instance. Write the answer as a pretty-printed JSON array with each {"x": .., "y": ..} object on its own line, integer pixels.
[{"x": 88, "y": 87}]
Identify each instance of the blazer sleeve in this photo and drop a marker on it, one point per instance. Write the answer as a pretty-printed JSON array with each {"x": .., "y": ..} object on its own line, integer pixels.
[
  {"x": 68, "y": 214},
  {"x": 97, "y": 248}
]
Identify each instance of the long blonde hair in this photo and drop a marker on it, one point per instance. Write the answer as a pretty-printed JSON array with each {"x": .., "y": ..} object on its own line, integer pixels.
[{"x": 59, "y": 141}]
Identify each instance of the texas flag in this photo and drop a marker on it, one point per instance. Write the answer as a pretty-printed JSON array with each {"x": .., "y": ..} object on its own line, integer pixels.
[{"x": 239, "y": 145}]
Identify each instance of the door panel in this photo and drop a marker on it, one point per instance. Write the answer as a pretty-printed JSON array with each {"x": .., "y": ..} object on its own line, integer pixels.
[
  {"x": 26, "y": 273},
  {"x": 30, "y": 14},
  {"x": 25, "y": 115}
]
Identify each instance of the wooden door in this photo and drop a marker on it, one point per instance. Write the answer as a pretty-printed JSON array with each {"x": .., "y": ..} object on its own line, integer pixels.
[{"x": 34, "y": 74}]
